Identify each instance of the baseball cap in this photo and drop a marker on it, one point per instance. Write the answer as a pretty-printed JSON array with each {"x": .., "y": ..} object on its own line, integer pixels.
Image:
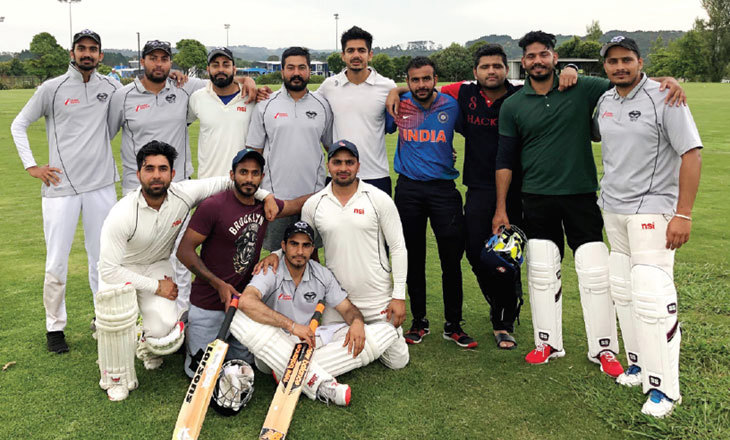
[
  {"x": 297, "y": 227},
  {"x": 153, "y": 45},
  {"x": 220, "y": 51},
  {"x": 248, "y": 152},
  {"x": 87, "y": 33},
  {"x": 342, "y": 145},
  {"x": 621, "y": 41}
]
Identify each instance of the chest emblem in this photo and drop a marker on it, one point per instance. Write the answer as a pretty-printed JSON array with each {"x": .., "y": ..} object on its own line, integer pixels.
[
  {"x": 310, "y": 297},
  {"x": 281, "y": 115},
  {"x": 71, "y": 101},
  {"x": 360, "y": 211},
  {"x": 607, "y": 114},
  {"x": 171, "y": 98},
  {"x": 102, "y": 97},
  {"x": 241, "y": 109},
  {"x": 443, "y": 117},
  {"x": 283, "y": 296},
  {"x": 311, "y": 115},
  {"x": 176, "y": 223},
  {"x": 141, "y": 107},
  {"x": 634, "y": 115}
]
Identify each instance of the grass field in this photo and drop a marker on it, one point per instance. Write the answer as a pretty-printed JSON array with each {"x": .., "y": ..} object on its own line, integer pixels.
[{"x": 444, "y": 393}]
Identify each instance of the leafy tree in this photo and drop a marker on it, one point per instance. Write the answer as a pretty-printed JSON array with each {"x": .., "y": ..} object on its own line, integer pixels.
[
  {"x": 103, "y": 69},
  {"x": 269, "y": 78},
  {"x": 49, "y": 58},
  {"x": 243, "y": 63},
  {"x": 115, "y": 59},
  {"x": 475, "y": 47},
  {"x": 399, "y": 67},
  {"x": 593, "y": 31},
  {"x": 13, "y": 67},
  {"x": 687, "y": 57},
  {"x": 272, "y": 58},
  {"x": 718, "y": 36},
  {"x": 453, "y": 63},
  {"x": 190, "y": 54},
  {"x": 383, "y": 64},
  {"x": 335, "y": 63}
]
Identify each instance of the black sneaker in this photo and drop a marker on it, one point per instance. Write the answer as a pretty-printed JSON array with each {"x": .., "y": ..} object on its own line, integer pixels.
[
  {"x": 453, "y": 332},
  {"x": 56, "y": 342},
  {"x": 419, "y": 329}
]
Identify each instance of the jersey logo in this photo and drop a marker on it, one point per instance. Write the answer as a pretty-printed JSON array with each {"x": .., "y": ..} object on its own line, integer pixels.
[
  {"x": 281, "y": 115},
  {"x": 313, "y": 380},
  {"x": 485, "y": 122},
  {"x": 634, "y": 115},
  {"x": 607, "y": 114},
  {"x": 71, "y": 101},
  {"x": 176, "y": 222},
  {"x": 359, "y": 211},
  {"x": 310, "y": 297},
  {"x": 443, "y": 117},
  {"x": 647, "y": 226},
  {"x": 473, "y": 103},
  {"x": 171, "y": 98},
  {"x": 142, "y": 107},
  {"x": 102, "y": 97},
  {"x": 284, "y": 297},
  {"x": 311, "y": 115},
  {"x": 240, "y": 109},
  {"x": 423, "y": 135}
]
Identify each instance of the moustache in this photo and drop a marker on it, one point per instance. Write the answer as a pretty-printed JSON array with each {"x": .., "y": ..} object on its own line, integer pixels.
[
  {"x": 86, "y": 59},
  {"x": 296, "y": 77}
]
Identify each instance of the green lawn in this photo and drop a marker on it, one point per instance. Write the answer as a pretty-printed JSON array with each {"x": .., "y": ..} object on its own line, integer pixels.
[{"x": 444, "y": 393}]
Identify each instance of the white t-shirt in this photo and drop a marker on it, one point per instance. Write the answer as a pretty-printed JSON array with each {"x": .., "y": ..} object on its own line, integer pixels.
[
  {"x": 223, "y": 129},
  {"x": 359, "y": 117}
]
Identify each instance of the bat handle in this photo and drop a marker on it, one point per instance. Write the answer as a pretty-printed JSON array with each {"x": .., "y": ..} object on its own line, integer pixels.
[
  {"x": 229, "y": 317},
  {"x": 317, "y": 317}
]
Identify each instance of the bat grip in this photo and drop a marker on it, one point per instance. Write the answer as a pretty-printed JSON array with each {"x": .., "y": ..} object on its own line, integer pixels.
[
  {"x": 317, "y": 317},
  {"x": 228, "y": 319}
]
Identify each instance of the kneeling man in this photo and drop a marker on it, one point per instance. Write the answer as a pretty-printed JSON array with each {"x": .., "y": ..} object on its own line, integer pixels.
[{"x": 275, "y": 309}]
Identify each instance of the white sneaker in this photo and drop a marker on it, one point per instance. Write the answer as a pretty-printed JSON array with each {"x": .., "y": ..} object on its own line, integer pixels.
[
  {"x": 659, "y": 405},
  {"x": 152, "y": 363},
  {"x": 631, "y": 377},
  {"x": 337, "y": 393}
]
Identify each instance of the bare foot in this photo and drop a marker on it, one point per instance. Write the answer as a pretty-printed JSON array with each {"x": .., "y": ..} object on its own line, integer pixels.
[{"x": 504, "y": 344}]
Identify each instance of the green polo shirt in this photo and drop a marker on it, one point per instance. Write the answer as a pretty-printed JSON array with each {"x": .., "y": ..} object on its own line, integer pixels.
[{"x": 554, "y": 134}]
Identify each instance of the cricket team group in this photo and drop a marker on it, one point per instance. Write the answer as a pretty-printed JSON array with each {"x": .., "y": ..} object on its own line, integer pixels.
[{"x": 295, "y": 170}]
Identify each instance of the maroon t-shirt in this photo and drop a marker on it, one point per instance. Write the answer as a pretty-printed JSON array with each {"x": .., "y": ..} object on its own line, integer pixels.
[{"x": 232, "y": 248}]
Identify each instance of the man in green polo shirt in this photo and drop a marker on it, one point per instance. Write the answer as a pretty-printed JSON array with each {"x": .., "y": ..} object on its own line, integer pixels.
[{"x": 546, "y": 133}]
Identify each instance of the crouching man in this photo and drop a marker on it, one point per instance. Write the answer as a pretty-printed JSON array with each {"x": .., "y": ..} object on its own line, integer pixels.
[{"x": 275, "y": 309}]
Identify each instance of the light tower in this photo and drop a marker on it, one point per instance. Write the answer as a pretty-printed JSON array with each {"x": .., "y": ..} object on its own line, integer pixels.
[{"x": 70, "y": 22}]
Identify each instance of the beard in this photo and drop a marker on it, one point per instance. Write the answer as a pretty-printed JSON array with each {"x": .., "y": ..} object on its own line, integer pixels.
[
  {"x": 86, "y": 67},
  {"x": 149, "y": 74},
  {"x": 222, "y": 81},
  {"x": 418, "y": 98},
  {"x": 544, "y": 76},
  {"x": 157, "y": 192},
  {"x": 295, "y": 87},
  {"x": 343, "y": 181},
  {"x": 246, "y": 189}
]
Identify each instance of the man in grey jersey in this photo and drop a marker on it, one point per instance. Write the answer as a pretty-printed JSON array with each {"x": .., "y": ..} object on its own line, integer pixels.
[
  {"x": 651, "y": 162},
  {"x": 80, "y": 173}
]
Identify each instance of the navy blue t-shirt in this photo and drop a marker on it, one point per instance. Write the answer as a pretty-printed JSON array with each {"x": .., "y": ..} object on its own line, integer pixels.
[{"x": 227, "y": 98}]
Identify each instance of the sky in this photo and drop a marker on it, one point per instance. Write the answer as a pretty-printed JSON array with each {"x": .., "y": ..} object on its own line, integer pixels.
[{"x": 283, "y": 23}]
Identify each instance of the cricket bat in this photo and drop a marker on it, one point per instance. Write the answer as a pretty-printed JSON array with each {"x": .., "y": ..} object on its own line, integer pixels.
[
  {"x": 287, "y": 393},
  {"x": 197, "y": 399}
]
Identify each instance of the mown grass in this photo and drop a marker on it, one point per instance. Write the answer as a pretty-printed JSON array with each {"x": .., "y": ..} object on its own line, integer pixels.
[{"x": 445, "y": 392}]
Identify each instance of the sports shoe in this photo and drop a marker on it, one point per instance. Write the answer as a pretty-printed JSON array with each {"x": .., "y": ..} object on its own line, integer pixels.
[
  {"x": 453, "y": 332},
  {"x": 337, "y": 393},
  {"x": 542, "y": 354},
  {"x": 631, "y": 377},
  {"x": 659, "y": 405},
  {"x": 609, "y": 364},
  {"x": 419, "y": 329},
  {"x": 56, "y": 342},
  {"x": 92, "y": 327}
]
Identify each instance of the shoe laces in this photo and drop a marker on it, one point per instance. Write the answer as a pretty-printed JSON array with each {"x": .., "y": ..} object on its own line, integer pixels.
[
  {"x": 327, "y": 391},
  {"x": 541, "y": 348},
  {"x": 608, "y": 356}
]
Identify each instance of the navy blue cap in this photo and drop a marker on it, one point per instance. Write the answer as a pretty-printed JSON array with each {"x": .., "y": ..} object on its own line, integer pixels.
[
  {"x": 220, "y": 51},
  {"x": 248, "y": 152},
  {"x": 297, "y": 227},
  {"x": 154, "y": 45},
  {"x": 87, "y": 33},
  {"x": 340, "y": 145},
  {"x": 621, "y": 41}
]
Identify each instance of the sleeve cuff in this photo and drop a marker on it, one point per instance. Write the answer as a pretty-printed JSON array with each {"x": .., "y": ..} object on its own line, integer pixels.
[
  {"x": 399, "y": 291},
  {"x": 261, "y": 194}
]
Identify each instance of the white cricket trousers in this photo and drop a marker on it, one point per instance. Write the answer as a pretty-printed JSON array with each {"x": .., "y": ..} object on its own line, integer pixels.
[
  {"x": 642, "y": 237},
  {"x": 60, "y": 217}
]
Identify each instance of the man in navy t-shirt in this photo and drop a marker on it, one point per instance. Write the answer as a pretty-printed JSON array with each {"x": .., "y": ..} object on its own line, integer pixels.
[
  {"x": 230, "y": 226},
  {"x": 426, "y": 191}
]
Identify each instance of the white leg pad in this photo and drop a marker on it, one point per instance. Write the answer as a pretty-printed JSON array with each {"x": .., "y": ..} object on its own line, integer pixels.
[
  {"x": 335, "y": 359},
  {"x": 619, "y": 271},
  {"x": 599, "y": 314},
  {"x": 116, "y": 315},
  {"x": 657, "y": 329},
  {"x": 274, "y": 347},
  {"x": 546, "y": 299},
  {"x": 396, "y": 356},
  {"x": 167, "y": 344}
]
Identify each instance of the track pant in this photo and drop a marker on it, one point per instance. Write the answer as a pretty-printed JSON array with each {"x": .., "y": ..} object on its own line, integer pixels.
[
  {"x": 440, "y": 202},
  {"x": 60, "y": 217},
  {"x": 503, "y": 293}
]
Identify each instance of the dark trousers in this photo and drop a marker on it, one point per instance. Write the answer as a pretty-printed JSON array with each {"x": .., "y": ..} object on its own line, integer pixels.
[
  {"x": 440, "y": 202},
  {"x": 503, "y": 292},
  {"x": 577, "y": 215}
]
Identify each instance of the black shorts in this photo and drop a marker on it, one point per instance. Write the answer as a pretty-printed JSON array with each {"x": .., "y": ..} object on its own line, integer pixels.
[{"x": 548, "y": 217}]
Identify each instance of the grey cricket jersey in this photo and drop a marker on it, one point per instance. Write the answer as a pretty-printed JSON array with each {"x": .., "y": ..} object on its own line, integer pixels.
[
  {"x": 642, "y": 141},
  {"x": 78, "y": 140},
  {"x": 144, "y": 116},
  {"x": 297, "y": 303},
  {"x": 290, "y": 133}
]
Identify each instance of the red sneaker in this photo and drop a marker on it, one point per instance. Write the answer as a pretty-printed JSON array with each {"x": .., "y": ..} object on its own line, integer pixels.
[
  {"x": 609, "y": 364},
  {"x": 542, "y": 354}
]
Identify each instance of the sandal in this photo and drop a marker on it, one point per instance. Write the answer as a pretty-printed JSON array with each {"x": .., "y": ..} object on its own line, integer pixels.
[{"x": 504, "y": 337}]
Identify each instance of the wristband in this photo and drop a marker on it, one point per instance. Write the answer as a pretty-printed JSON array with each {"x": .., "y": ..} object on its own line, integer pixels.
[
  {"x": 292, "y": 327},
  {"x": 686, "y": 217},
  {"x": 573, "y": 66}
]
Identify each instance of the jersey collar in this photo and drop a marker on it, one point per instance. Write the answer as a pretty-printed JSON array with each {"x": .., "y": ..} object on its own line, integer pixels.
[
  {"x": 344, "y": 80},
  {"x": 530, "y": 91},
  {"x": 142, "y": 89},
  {"x": 285, "y": 273},
  {"x": 75, "y": 74},
  {"x": 633, "y": 91}
]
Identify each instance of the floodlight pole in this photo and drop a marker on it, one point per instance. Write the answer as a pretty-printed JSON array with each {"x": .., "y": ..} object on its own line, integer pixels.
[
  {"x": 70, "y": 21},
  {"x": 227, "y": 26},
  {"x": 337, "y": 17},
  {"x": 139, "y": 57}
]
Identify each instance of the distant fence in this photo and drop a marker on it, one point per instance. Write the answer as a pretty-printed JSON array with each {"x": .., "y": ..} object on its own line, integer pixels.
[{"x": 19, "y": 82}]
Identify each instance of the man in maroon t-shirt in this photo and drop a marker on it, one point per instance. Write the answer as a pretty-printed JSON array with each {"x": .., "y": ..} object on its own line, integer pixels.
[{"x": 230, "y": 226}]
